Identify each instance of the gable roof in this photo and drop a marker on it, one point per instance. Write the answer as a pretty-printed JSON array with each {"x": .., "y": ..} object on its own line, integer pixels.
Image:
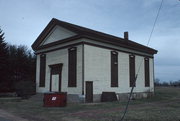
[{"x": 83, "y": 32}]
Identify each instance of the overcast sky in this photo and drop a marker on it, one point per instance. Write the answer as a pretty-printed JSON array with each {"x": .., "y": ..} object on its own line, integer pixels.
[{"x": 23, "y": 20}]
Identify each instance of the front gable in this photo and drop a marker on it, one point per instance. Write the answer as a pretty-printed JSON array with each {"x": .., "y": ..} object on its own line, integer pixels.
[{"x": 56, "y": 34}]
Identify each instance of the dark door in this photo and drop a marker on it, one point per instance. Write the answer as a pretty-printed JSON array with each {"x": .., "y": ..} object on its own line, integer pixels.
[{"x": 89, "y": 91}]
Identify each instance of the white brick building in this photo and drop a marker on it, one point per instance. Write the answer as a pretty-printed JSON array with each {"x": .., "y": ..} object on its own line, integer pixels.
[{"x": 85, "y": 63}]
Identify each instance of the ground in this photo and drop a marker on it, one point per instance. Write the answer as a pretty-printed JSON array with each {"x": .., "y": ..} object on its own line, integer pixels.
[
  {"x": 164, "y": 106},
  {"x": 5, "y": 116}
]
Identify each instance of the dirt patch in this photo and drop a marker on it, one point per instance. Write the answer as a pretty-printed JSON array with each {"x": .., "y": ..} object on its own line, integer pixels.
[
  {"x": 164, "y": 106},
  {"x": 10, "y": 116},
  {"x": 97, "y": 113}
]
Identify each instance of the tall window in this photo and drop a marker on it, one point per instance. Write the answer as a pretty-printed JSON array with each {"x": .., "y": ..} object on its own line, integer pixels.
[
  {"x": 114, "y": 69},
  {"x": 72, "y": 67},
  {"x": 132, "y": 70},
  {"x": 42, "y": 70},
  {"x": 146, "y": 73}
]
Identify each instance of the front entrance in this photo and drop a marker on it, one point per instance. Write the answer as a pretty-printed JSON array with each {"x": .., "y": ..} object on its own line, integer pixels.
[
  {"x": 55, "y": 77},
  {"x": 55, "y": 83},
  {"x": 89, "y": 91}
]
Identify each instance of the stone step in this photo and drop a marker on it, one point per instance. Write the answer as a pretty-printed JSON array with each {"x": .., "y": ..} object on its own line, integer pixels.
[{"x": 37, "y": 97}]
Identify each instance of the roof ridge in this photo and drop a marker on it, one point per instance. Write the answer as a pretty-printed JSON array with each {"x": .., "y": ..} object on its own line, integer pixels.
[
  {"x": 87, "y": 32},
  {"x": 88, "y": 29}
]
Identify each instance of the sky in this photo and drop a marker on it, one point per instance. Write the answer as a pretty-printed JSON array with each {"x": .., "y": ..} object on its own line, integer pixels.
[{"x": 23, "y": 20}]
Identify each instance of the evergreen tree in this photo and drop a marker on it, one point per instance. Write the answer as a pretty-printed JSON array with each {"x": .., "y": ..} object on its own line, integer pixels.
[
  {"x": 3, "y": 48},
  {"x": 17, "y": 64},
  {"x": 22, "y": 63},
  {"x": 3, "y": 62}
]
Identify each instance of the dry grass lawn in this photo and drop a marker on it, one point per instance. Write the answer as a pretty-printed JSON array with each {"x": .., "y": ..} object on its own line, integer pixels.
[{"x": 164, "y": 106}]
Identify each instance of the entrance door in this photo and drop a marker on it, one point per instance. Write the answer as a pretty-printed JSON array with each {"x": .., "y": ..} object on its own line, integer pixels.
[
  {"x": 55, "y": 77},
  {"x": 55, "y": 83},
  {"x": 89, "y": 91}
]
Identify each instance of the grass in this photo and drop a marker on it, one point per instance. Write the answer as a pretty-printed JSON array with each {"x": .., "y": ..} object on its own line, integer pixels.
[{"x": 163, "y": 106}]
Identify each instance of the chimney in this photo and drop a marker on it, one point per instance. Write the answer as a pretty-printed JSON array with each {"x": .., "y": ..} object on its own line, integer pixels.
[{"x": 126, "y": 36}]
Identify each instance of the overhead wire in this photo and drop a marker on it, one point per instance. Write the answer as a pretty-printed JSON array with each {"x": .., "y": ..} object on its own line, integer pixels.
[
  {"x": 136, "y": 76},
  {"x": 155, "y": 22}
]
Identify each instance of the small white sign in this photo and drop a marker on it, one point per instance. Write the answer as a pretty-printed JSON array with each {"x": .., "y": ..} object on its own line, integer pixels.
[{"x": 53, "y": 98}]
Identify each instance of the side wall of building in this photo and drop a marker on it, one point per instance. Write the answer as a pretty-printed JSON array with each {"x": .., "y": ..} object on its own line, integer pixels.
[{"x": 98, "y": 69}]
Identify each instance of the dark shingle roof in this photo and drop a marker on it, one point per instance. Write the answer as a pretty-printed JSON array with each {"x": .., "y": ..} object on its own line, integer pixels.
[{"x": 83, "y": 32}]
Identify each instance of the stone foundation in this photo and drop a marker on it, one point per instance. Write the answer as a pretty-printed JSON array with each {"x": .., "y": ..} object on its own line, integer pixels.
[
  {"x": 120, "y": 97},
  {"x": 139, "y": 95},
  {"x": 75, "y": 98}
]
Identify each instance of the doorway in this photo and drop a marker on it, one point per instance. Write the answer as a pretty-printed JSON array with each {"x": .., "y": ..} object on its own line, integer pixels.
[
  {"x": 55, "y": 83},
  {"x": 55, "y": 77},
  {"x": 89, "y": 91}
]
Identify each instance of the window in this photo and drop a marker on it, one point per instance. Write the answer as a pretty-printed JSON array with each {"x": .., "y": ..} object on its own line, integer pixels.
[
  {"x": 114, "y": 69},
  {"x": 132, "y": 70},
  {"x": 42, "y": 70},
  {"x": 146, "y": 72},
  {"x": 72, "y": 67}
]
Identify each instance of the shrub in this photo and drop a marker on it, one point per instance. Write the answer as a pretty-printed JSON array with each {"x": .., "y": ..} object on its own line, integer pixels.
[
  {"x": 25, "y": 89},
  {"x": 6, "y": 87}
]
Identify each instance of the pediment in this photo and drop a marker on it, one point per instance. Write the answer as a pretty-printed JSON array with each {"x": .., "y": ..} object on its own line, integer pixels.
[{"x": 56, "y": 34}]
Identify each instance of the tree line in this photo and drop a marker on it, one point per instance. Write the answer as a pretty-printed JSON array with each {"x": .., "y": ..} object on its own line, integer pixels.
[
  {"x": 157, "y": 82},
  {"x": 17, "y": 64}
]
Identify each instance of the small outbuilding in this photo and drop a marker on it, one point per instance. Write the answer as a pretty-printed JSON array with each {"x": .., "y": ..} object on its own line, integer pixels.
[{"x": 85, "y": 63}]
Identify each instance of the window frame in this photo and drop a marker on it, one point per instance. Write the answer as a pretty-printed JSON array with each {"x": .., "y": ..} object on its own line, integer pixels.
[
  {"x": 72, "y": 67},
  {"x": 146, "y": 72},
  {"x": 132, "y": 70},
  {"x": 42, "y": 72},
  {"x": 114, "y": 69}
]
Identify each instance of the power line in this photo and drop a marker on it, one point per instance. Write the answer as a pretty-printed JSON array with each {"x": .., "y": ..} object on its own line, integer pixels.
[
  {"x": 155, "y": 22},
  {"x": 126, "y": 108}
]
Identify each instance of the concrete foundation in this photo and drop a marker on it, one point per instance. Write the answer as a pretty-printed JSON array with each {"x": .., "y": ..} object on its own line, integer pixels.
[
  {"x": 120, "y": 97},
  {"x": 74, "y": 98}
]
